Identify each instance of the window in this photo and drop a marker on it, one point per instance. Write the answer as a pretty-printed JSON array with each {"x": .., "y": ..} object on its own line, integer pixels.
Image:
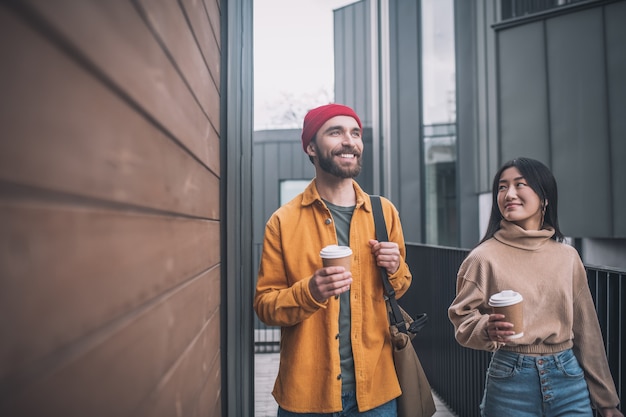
[
  {"x": 439, "y": 118},
  {"x": 291, "y": 188}
]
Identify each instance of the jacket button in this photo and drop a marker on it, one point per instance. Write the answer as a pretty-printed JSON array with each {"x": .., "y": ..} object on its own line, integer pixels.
[
  {"x": 339, "y": 377},
  {"x": 328, "y": 221},
  {"x": 337, "y": 336}
]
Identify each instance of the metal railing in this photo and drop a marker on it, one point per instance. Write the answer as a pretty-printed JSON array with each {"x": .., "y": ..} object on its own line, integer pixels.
[
  {"x": 608, "y": 289},
  {"x": 266, "y": 338},
  {"x": 511, "y": 9},
  {"x": 456, "y": 373}
]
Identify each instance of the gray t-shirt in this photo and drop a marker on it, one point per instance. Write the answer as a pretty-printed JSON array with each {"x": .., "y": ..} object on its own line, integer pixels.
[{"x": 342, "y": 217}]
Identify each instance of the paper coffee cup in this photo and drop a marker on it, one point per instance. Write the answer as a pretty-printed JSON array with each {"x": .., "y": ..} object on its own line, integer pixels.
[
  {"x": 334, "y": 255},
  {"x": 510, "y": 303}
]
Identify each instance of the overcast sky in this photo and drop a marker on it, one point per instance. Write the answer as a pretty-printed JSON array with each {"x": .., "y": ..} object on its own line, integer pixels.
[
  {"x": 293, "y": 59},
  {"x": 293, "y": 54}
]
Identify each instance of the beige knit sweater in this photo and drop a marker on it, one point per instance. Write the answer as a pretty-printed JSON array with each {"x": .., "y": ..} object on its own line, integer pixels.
[{"x": 558, "y": 309}]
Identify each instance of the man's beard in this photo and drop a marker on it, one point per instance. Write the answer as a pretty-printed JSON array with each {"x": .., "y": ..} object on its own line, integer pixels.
[{"x": 328, "y": 164}]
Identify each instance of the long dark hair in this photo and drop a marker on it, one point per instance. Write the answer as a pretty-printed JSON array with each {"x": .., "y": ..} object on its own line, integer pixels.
[{"x": 540, "y": 179}]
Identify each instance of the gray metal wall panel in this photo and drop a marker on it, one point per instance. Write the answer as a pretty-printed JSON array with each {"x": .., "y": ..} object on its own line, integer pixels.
[
  {"x": 339, "y": 46},
  {"x": 362, "y": 58},
  {"x": 524, "y": 115},
  {"x": 366, "y": 178},
  {"x": 353, "y": 73},
  {"x": 280, "y": 160},
  {"x": 468, "y": 138},
  {"x": 258, "y": 181},
  {"x": 406, "y": 115},
  {"x": 488, "y": 81},
  {"x": 301, "y": 166},
  {"x": 277, "y": 155},
  {"x": 473, "y": 40},
  {"x": 578, "y": 109},
  {"x": 586, "y": 95},
  {"x": 237, "y": 291},
  {"x": 270, "y": 175},
  {"x": 615, "y": 16}
]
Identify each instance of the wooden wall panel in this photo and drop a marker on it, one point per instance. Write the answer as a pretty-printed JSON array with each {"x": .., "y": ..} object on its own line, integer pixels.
[
  {"x": 136, "y": 351},
  {"x": 207, "y": 36},
  {"x": 169, "y": 24},
  {"x": 184, "y": 383},
  {"x": 85, "y": 267},
  {"x": 118, "y": 45},
  {"x": 209, "y": 403},
  {"x": 213, "y": 10},
  {"x": 110, "y": 234},
  {"x": 90, "y": 130}
]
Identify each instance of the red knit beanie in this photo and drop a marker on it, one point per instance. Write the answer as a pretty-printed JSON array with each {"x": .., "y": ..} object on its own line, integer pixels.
[{"x": 316, "y": 117}]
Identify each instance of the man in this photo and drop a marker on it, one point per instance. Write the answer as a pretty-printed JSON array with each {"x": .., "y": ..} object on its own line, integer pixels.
[{"x": 336, "y": 354}]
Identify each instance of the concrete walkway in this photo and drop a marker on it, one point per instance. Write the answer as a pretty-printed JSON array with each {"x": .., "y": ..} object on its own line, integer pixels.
[{"x": 265, "y": 370}]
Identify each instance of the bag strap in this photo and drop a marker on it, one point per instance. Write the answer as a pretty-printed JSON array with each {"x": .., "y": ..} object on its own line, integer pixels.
[{"x": 395, "y": 316}]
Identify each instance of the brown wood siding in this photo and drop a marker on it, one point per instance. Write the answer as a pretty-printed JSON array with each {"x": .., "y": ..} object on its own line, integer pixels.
[{"x": 110, "y": 208}]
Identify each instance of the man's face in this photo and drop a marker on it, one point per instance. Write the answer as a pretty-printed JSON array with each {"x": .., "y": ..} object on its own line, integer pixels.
[{"x": 338, "y": 146}]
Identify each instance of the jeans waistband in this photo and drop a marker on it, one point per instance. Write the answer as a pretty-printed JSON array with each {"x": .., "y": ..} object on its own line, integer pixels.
[{"x": 528, "y": 361}]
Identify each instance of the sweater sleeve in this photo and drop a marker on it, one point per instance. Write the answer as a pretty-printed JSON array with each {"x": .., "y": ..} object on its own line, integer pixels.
[
  {"x": 467, "y": 312},
  {"x": 588, "y": 343}
]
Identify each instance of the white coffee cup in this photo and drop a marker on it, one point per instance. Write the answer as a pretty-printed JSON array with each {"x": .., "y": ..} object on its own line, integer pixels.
[
  {"x": 334, "y": 255},
  {"x": 511, "y": 304}
]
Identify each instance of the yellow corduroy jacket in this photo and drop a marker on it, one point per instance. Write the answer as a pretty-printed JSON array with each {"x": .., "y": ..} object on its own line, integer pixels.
[{"x": 309, "y": 373}]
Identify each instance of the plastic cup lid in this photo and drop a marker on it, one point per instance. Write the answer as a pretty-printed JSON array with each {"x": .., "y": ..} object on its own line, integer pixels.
[
  {"x": 505, "y": 298},
  {"x": 335, "y": 251}
]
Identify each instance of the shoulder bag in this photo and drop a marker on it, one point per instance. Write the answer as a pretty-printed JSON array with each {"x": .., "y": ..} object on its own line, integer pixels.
[{"x": 416, "y": 399}]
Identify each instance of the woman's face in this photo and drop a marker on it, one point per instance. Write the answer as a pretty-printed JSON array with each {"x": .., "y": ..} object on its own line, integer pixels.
[{"x": 517, "y": 201}]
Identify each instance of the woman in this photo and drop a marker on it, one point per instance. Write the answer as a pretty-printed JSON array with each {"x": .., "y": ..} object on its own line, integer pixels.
[{"x": 558, "y": 367}]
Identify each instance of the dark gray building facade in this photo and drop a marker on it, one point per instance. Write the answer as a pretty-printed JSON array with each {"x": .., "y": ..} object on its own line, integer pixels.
[{"x": 546, "y": 81}]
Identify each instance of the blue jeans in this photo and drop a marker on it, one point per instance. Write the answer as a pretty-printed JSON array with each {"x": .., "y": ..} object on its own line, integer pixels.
[
  {"x": 350, "y": 409},
  {"x": 532, "y": 386}
]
